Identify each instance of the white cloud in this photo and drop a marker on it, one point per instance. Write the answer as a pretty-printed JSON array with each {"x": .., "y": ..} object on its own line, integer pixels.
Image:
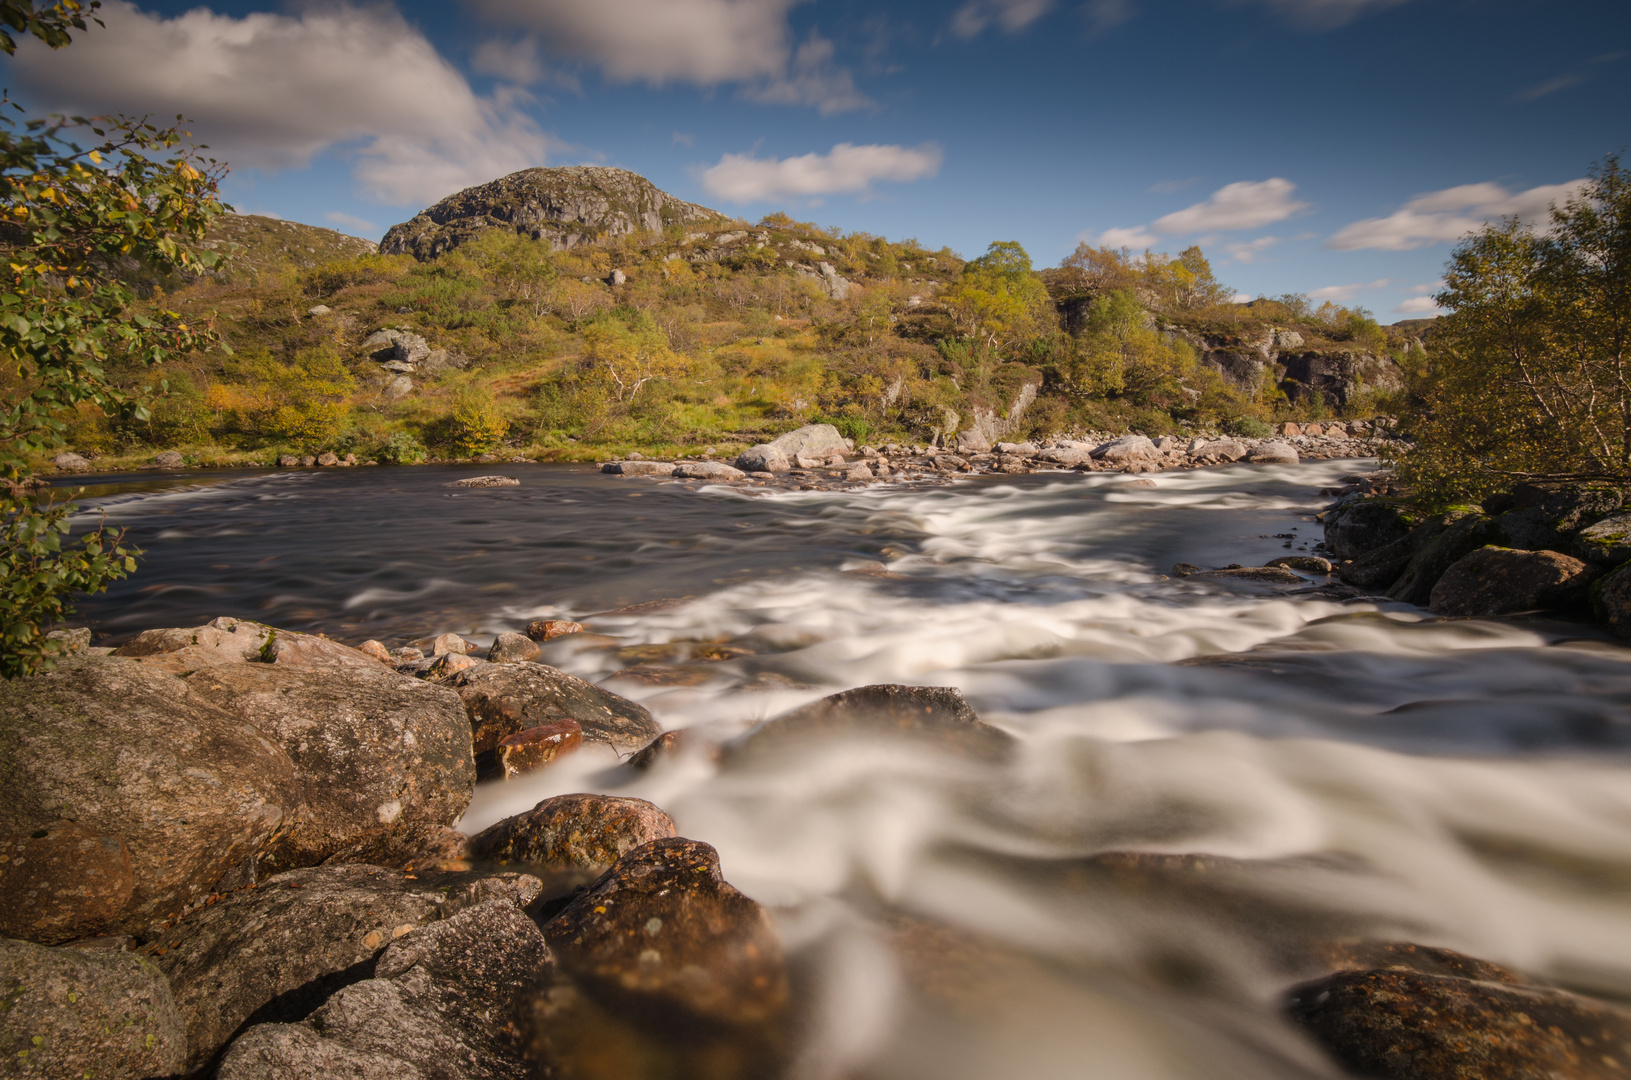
[
  {"x": 812, "y": 79},
  {"x": 1245, "y": 204},
  {"x": 1136, "y": 237},
  {"x": 1417, "y": 305},
  {"x": 514, "y": 61},
  {"x": 846, "y": 170},
  {"x": 1250, "y": 250},
  {"x": 1011, "y": 16},
  {"x": 273, "y": 91},
  {"x": 1319, "y": 15},
  {"x": 1440, "y": 216},
  {"x": 350, "y": 221},
  {"x": 1241, "y": 298},
  {"x": 1341, "y": 294}
]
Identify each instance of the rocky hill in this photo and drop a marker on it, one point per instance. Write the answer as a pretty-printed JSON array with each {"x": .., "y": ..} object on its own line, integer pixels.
[
  {"x": 565, "y": 207},
  {"x": 265, "y": 243}
]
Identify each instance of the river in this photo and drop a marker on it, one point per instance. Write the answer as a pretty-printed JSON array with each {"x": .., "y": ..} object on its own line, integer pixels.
[{"x": 1376, "y": 772}]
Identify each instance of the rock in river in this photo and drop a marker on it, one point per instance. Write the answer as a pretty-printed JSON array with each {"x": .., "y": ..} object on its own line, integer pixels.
[
  {"x": 81, "y": 1012},
  {"x": 131, "y": 753},
  {"x": 274, "y": 953},
  {"x": 512, "y": 648},
  {"x": 504, "y": 699},
  {"x": 937, "y": 713},
  {"x": 574, "y": 832},
  {"x": 1499, "y": 581},
  {"x": 708, "y": 470}
]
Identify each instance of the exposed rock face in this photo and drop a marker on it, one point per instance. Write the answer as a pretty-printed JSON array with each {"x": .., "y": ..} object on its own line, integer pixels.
[
  {"x": 1336, "y": 375},
  {"x": 562, "y": 207},
  {"x": 370, "y": 748},
  {"x": 275, "y": 953},
  {"x": 574, "y": 832},
  {"x": 1414, "y": 1026},
  {"x": 443, "y": 1002},
  {"x": 62, "y": 882},
  {"x": 79, "y": 1012},
  {"x": 131, "y": 752},
  {"x": 662, "y": 933},
  {"x": 505, "y": 699},
  {"x": 1498, "y": 581}
]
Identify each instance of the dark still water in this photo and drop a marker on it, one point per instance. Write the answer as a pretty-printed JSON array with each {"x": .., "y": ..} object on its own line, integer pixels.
[{"x": 1377, "y": 773}]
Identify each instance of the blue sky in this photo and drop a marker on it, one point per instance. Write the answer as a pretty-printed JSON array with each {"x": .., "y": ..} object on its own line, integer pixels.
[{"x": 1333, "y": 147}]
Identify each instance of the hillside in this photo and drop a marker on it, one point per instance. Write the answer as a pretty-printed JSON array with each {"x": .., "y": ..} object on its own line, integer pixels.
[{"x": 578, "y": 313}]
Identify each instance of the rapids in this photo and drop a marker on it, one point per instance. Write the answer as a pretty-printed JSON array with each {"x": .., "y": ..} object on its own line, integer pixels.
[{"x": 1383, "y": 773}]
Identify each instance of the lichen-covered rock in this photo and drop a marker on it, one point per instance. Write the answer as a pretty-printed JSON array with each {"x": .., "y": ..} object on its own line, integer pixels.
[
  {"x": 512, "y": 648},
  {"x": 486, "y": 482},
  {"x": 62, "y": 882},
  {"x": 443, "y": 1005},
  {"x": 80, "y": 1012},
  {"x": 1363, "y": 526},
  {"x": 1607, "y": 543},
  {"x": 226, "y": 640},
  {"x": 1127, "y": 450},
  {"x": 1499, "y": 581},
  {"x": 409, "y": 846},
  {"x": 370, "y": 748},
  {"x": 562, "y": 207},
  {"x": 574, "y": 832},
  {"x": 504, "y": 699},
  {"x": 708, "y": 470},
  {"x": 765, "y": 457},
  {"x": 1273, "y": 453},
  {"x": 1407, "y": 1025},
  {"x": 816, "y": 439},
  {"x": 639, "y": 468},
  {"x": 130, "y": 752},
  {"x": 662, "y": 932},
  {"x": 1384, "y": 567},
  {"x": 274, "y": 953},
  {"x": 935, "y": 713}
]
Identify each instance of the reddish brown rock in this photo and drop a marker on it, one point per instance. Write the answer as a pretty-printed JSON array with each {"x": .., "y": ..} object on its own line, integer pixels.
[
  {"x": 1407, "y": 1025},
  {"x": 532, "y": 749},
  {"x": 62, "y": 882},
  {"x": 662, "y": 934},
  {"x": 662, "y": 748},
  {"x": 409, "y": 846},
  {"x": 1500, "y": 581},
  {"x": 504, "y": 699},
  {"x": 378, "y": 651},
  {"x": 574, "y": 832},
  {"x": 550, "y": 629},
  {"x": 511, "y": 648}
]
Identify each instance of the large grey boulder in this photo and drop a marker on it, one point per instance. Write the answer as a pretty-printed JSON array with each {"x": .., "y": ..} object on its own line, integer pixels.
[
  {"x": 370, "y": 747},
  {"x": 763, "y": 458},
  {"x": 130, "y": 752},
  {"x": 1607, "y": 543},
  {"x": 1218, "y": 450},
  {"x": 226, "y": 640},
  {"x": 445, "y": 1003},
  {"x": 1500, "y": 581},
  {"x": 68, "y": 461},
  {"x": 1067, "y": 453},
  {"x": 708, "y": 470},
  {"x": 275, "y": 953},
  {"x": 1127, "y": 450},
  {"x": 574, "y": 832},
  {"x": 639, "y": 468},
  {"x": 1273, "y": 453},
  {"x": 506, "y": 699},
  {"x": 83, "y": 1012},
  {"x": 817, "y": 440},
  {"x": 1363, "y": 526}
]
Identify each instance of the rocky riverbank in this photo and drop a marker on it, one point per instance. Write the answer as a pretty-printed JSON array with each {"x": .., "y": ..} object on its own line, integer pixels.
[{"x": 232, "y": 850}]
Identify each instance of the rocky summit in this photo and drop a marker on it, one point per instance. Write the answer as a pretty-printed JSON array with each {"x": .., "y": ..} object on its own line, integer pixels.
[{"x": 564, "y": 207}]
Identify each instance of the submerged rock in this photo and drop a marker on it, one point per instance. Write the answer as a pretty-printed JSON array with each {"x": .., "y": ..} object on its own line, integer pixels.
[
  {"x": 130, "y": 752},
  {"x": 1312, "y": 564},
  {"x": 86, "y": 1013},
  {"x": 1413, "y": 1026},
  {"x": 574, "y": 832},
  {"x": 661, "y": 932},
  {"x": 487, "y": 482},
  {"x": 444, "y": 1001},
  {"x": 1499, "y": 581},
  {"x": 275, "y": 953},
  {"x": 938, "y": 713}
]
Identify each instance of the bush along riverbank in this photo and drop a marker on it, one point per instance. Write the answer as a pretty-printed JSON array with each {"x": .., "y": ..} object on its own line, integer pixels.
[
  {"x": 1535, "y": 547},
  {"x": 230, "y": 851}
]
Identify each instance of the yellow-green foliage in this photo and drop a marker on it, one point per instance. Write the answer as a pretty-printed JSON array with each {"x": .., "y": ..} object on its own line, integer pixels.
[{"x": 476, "y": 424}]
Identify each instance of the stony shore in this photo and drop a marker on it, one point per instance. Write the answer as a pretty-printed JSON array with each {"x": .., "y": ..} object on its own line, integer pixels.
[{"x": 229, "y": 850}]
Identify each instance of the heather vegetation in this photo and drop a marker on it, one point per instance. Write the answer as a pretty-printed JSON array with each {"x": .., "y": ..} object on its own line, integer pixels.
[{"x": 720, "y": 337}]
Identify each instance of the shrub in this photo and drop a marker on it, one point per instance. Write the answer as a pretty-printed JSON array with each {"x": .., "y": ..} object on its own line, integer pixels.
[
  {"x": 1247, "y": 427},
  {"x": 401, "y": 448},
  {"x": 476, "y": 426}
]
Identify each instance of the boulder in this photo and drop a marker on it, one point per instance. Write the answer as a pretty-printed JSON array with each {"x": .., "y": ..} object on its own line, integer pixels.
[
  {"x": 376, "y": 650},
  {"x": 763, "y": 458},
  {"x": 76, "y": 640},
  {"x": 129, "y": 752},
  {"x": 1024, "y": 449},
  {"x": 445, "y": 1001},
  {"x": 1564, "y": 507},
  {"x": 938, "y": 714},
  {"x": 858, "y": 474},
  {"x": 409, "y": 348},
  {"x": 815, "y": 439},
  {"x": 512, "y": 648},
  {"x": 504, "y": 699},
  {"x": 550, "y": 629},
  {"x": 1289, "y": 428},
  {"x": 370, "y": 748},
  {"x": 450, "y": 664},
  {"x": 1218, "y": 450},
  {"x": 83, "y": 1012},
  {"x": 486, "y": 482},
  {"x": 1407, "y": 1024},
  {"x": 662, "y": 933},
  {"x": 1611, "y": 600},
  {"x": 1311, "y": 564},
  {"x": 638, "y": 468},
  {"x": 1362, "y": 526},
  {"x": 1605, "y": 544},
  {"x": 1499, "y": 581},
  {"x": 169, "y": 459},
  {"x": 407, "y": 846},
  {"x": 445, "y": 644},
  {"x": 532, "y": 748},
  {"x": 235, "y": 641},
  {"x": 972, "y": 442},
  {"x": 328, "y": 458},
  {"x": 708, "y": 470},
  {"x": 574, "y": 832},
  {"x": 1127, "y": 450},
  {"x": 1273, "y": 453},
  {"x": 62, "y": 882},
  {"x": 275, "y": 953},
  {"x": 398, "y": 388},
  {"x": 1067, "y": 453},
  {"x": 68, "y": 461},
  {"x": 1463, "y": 533},
  {"x": 288, "y": 461},
  {"x": 1384, "y": 567}
]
